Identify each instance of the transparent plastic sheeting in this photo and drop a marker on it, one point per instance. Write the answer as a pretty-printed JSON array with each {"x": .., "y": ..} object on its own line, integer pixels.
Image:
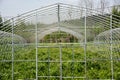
[
  {"x": 5, "y": 38},
  {"x": 54, "y": 29},
  {"x": 105, "y": 37}
]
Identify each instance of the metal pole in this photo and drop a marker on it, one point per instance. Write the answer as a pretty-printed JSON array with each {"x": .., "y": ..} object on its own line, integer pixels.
[
  {"x": 85, "y": 44},
  {"x": 48, "y": 63},
  {"x": 36, "y": 48},
  {"x": 111, "y": 46},
  {"x": 60, "y": 61},
  {"x": 60, "y": 47},
  {"x": 73, "y": 70},
  {"x": 58, "y": 15},
  {"x": 12, "y": 49}
]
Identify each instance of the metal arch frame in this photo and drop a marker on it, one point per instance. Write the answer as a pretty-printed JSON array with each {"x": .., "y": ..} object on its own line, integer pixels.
[
  {"x": 106, "y": 33},
  {"x": 54, "y": 29},
  {"x": 19, "y": 38},
  {"x": 42, "y": 8},
  {"x": 60, "y": 28}
]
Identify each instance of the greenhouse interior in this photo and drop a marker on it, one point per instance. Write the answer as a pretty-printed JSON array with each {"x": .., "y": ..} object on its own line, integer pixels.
[{"x": 60, "y": 42}]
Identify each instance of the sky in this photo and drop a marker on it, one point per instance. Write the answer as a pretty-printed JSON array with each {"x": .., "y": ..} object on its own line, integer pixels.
[{"x": 10, "y": 8}]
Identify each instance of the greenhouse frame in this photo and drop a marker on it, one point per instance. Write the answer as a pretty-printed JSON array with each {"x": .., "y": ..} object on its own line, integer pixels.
[{"x": 60, "y": 42}]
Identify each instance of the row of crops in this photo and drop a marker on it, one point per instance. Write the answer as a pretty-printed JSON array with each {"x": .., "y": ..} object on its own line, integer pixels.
[{"x": 73, "y": 65}]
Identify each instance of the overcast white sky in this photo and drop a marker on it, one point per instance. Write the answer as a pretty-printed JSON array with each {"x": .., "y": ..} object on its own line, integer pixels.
[{"x": 15, "y": 7}]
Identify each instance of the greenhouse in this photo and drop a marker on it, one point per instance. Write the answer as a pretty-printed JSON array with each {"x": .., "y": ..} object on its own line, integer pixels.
[{"x": 60, "y": 42}]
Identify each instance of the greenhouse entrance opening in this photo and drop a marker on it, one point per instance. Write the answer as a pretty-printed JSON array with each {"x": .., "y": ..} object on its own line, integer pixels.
[
  {"x": 59, "y": 52},
  {"x": 60, "y": 42}
]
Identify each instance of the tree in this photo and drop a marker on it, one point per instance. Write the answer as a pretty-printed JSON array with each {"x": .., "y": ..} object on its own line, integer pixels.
[
  {"x": 89, "y": 4},
  {"x": 116, "y": 2},
  {"x": 1, "y": 22},
  {"x": 103, "y": 4},
  {"x": 6, "y": 25},
  {"x": 116, "y": 17},
  {"x": 70, "y": 12},
  {"x": 116, "y": 11}
]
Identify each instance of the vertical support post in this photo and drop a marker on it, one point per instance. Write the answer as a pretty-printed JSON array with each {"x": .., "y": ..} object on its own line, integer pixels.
[
  {"x": 60, "y": 61},
  {"x": 48, "y": 63},
  {"x": 36, "y": 37},
  {"x": 111, "y": 46},
  {"x": 58, "y": 15},
  {"x": 60, "y": 47},
  {"x": 85, "y": 44},
  {"x": 12, "y": 49},
  {"x": 73, "y": 70},
  {"x": 98, "y": 43}
]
